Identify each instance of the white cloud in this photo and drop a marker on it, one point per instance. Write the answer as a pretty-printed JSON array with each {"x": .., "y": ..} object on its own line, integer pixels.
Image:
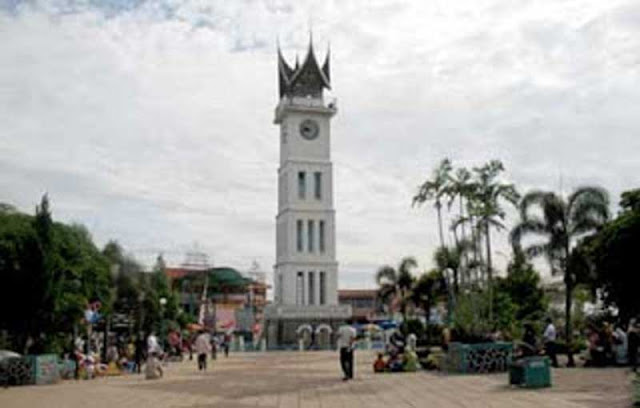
[{"x": 151, "y": 122}]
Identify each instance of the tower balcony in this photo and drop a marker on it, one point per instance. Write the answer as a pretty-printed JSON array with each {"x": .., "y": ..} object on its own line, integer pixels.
[{"x": 305, "y": 105}]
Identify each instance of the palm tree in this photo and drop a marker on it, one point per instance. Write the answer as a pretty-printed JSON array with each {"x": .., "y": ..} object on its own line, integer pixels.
[
  {"x": 425, "y": 292},
  {"x": 487, "y": 210},
  {"x": 451, "y": 259},
  {"x": 561, "y": 222},
  {"x": 395, "y": 285},
  {"x": 435, "y": 189},
  {"x": 460, "y": 188}
]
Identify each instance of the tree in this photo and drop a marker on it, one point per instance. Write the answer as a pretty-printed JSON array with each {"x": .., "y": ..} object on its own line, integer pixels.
[
  {"x": 395, "y": 284},
  {"x": 523, "y": 286},
  {"x": 461, "y": 188},
  {"x": 50, "y": 272},
  {"x": 451, "y": 259},
  {"x": 560, "y": 222},
  {"x": 613, "y": 253},
  {"x": 426, "y": 291},
  {"x": 435, "y": 189},
  {"x": 486, "y": 208},
  {"x": 630, "y": 201}
]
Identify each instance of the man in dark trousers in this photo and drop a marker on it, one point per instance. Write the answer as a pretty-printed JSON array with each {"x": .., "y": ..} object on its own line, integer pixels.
[
  {"x": 550, "y": 342},
  {"x": 346, "y": 342},
  {"x": 139, "y": 355},
  {"x": 633, "y": 342},
  {"x": 203, "y": 347}
]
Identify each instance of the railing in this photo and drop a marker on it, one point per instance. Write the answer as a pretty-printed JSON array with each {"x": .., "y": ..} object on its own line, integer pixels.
[{"x": 332, "y": 103}]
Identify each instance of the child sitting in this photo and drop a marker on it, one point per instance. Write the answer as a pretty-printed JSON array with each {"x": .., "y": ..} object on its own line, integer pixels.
[
  {"x": 379, "y": 365},
  {"x": 395, "y": 363}
]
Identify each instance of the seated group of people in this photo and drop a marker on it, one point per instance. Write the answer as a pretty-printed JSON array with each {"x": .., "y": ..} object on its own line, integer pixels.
[
  {"x": 397, "y": 357},
  {"x": 394, "y": 363},
  {"x": 607, "y": 345}
]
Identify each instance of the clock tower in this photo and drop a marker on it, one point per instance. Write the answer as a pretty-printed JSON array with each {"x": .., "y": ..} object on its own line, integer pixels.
[{"x": 306, "y": 270}]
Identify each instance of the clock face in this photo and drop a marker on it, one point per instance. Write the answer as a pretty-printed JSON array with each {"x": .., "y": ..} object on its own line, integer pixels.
[{"x": 309, "y": 129}]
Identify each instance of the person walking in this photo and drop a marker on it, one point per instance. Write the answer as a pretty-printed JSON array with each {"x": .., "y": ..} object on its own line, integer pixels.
[
  {"x": 549, "y": 337},
  {"x": 346, "y": 341},
  {"x": 214, "y": 347},
  {"x": 620, "y": 346},
  {"x": 633, "y": 342},
  {"x": 138, "y": 355},
  {"x": 154, "y": 354},
  {"x": 225, "y": 345},
  {"x": 203, "y": 347}
]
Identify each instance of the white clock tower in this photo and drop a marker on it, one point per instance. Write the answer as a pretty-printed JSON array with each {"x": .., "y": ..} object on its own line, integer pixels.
[{"x": 306, "y": 270}]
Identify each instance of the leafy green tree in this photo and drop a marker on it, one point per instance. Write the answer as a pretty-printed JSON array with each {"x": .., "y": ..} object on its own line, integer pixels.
[
  {"x": 523, "y": 286},
  {"x": 435, "y": 189},
  {"x": 613, "y": 251},
  {"x": 51, "y": 271},
  {"x": 560, "y": 222},
  {"x": 395, "y": 284},
  {"x": 630, "y": 201}
]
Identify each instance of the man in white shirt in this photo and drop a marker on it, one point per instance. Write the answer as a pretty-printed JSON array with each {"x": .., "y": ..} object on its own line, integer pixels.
[
  {"x": 346, "y": 342},
  {"x": 549, "y": 337},
  {"x": 152, "y": 344},
  {"x": 202, "y": 346}
]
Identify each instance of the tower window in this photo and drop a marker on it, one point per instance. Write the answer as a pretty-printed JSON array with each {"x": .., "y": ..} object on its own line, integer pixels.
[
  {"x": 312, "y": 288},
  {"x": 302, "y": 185},
  {"x": 310, "y": 234},
  {"x": 323, "y": 288},
  {"x": 300, "y": 288},
  {"x": 299, "y": 235},
  {"x": 321, "y": 236},
  {"x": 318, "y": 185}
]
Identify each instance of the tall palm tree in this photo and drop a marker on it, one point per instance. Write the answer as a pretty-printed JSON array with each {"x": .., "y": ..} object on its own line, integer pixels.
[
  {"x": 561, "y": 222},
  {"x": 395, "y": 284},
  {"x": 486, "y": 207},
  {"x": 460, "y": 188},
  {"x": 435, "y": 189}
]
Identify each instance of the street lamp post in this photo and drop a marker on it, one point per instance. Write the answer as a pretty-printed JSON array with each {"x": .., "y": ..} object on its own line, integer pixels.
[
  {"x": 141, "y": 314},
  {"x": 163, "y": 302}
]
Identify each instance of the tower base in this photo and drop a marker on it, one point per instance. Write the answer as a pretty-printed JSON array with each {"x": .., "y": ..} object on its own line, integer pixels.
[{"x": 312, "y": 327}]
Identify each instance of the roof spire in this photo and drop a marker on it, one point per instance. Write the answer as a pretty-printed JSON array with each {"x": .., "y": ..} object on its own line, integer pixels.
[{"x": 303, "y": 79}]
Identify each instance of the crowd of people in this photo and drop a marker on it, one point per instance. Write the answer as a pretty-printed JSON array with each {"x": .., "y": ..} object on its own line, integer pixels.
[
  {"x": 134, "y": 353},
  {"x": 611, "y": 344},
  {"x": 605, "y": 344}
]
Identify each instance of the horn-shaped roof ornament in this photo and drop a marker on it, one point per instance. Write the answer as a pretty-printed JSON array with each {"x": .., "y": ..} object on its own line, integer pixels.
[{"x": 307, "y": 79}]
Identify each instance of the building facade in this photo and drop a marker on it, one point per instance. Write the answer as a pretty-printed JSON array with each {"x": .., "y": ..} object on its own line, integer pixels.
[{"x": 365, "y": 304}]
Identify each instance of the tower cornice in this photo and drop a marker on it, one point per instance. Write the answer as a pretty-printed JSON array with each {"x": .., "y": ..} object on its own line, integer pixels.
[{"x": 304, "y": 105}]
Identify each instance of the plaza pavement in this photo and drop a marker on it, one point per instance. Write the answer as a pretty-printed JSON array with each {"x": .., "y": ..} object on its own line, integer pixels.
[{"x": 312, "y": 379}]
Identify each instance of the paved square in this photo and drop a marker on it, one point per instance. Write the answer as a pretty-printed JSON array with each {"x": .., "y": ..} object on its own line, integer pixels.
[{"x": 312, "y": 379}]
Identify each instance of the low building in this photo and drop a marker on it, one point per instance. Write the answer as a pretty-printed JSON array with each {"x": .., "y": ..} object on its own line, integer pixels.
[
  {"x": 222, "y": 298},
  {"x": 365, "y": 304}
]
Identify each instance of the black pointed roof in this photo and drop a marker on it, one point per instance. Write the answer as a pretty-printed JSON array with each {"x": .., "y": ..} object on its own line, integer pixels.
[{"x": 308, "y": 79}]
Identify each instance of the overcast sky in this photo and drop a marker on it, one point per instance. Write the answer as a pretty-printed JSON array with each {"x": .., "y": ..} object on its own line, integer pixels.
[{"x": 152, "y": 122}]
